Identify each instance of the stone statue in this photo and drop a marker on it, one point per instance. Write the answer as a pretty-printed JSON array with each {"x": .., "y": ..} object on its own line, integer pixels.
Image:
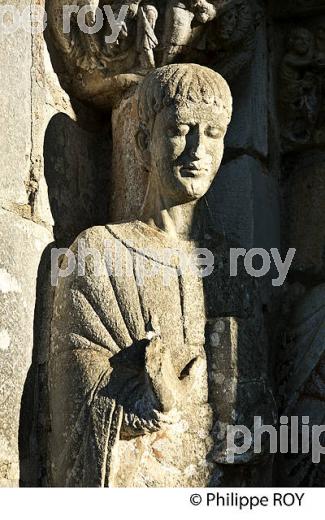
[
  {"x": 219, "y": 32},
  {"x": 299, "y": 87},
  {"x": 185, "y": 25},
  {"x": 230, "y": 39},
  {"x": 153, "y": 354},
  {"x": 208, "y": 32},
  {"x": 139, "y": 28},
  {"x": 146, "y": 38}
]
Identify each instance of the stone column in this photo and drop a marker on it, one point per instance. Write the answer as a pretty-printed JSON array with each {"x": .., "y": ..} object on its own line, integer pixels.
[{"x": 244, "y": 199}]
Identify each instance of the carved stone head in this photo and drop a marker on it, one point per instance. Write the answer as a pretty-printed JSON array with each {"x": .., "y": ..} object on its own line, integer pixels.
[
  {"x": 184, "y": 111},
  {"x": 204, "y": 11},
  {"x": 300, "y": 41}
]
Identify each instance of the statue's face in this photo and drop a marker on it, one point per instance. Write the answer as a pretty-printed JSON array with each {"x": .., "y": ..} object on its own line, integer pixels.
[
  {"x": 186, "y": 149},
  {"x": 204, "y": 11},
  {"x": 300, "y": 42}
]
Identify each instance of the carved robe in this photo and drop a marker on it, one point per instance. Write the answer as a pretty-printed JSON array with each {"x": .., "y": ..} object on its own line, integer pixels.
[
  {"x": 107, "y": 378},
  {"x": 97, "y": 367}
]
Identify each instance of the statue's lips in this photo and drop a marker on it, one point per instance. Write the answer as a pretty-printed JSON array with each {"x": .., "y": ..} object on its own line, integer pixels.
[{"x": 194, "y": 171}]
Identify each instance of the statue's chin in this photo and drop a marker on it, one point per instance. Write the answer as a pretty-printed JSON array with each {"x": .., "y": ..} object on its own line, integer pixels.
[{"x": 195, "y": 189}]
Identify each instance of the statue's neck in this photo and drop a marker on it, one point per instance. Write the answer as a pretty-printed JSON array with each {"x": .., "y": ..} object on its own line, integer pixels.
[{"x": 178, "y": 221}]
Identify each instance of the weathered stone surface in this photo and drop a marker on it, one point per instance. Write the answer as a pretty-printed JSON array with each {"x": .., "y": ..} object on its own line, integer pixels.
[
  {"x": 299, "y": 29},
  {"x": 248, "y": 130},
  {"x": 301, "y": 85},
  {"x": 158, "y": 416},
  {"x": 22, "y": 245},
  {"x": 76, "y": 172},
  {"x": 129, "y": 180},
  {"x": 305, "y": 205},
  {"x": 302, "y": 384},
  {"x": 128, "y": 375},
  {"x": 244, "y": 204},
  {"x": 58, "y": 169},
  {"x": 216, "y": 33},
  {"x": 69, "y": 194},
  {"x": 31, "y": 97},
  {"x": 15, "y": 115}
]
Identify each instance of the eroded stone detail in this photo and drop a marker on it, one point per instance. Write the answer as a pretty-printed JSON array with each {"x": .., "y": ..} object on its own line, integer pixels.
[
  {"x": 136, "y": 387},
  {"x": 302, "y": 87},
  {"x": 219, "y": 33},
  {"x": 302, "y": 383}
]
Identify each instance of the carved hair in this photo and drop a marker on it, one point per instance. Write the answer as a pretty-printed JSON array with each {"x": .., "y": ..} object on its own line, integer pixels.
[{"x": 180, "y": 84}]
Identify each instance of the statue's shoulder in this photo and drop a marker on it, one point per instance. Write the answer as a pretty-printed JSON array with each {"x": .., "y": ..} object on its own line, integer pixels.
[
  {"x": 89, "y": 236},
  {"x": 99, "y": 236}
]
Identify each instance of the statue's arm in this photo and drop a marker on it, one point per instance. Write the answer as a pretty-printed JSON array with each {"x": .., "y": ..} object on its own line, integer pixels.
[{"x": 87, "y": 331}]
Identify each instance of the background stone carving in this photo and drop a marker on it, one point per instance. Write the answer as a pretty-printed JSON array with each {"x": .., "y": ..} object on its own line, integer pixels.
[
  {"x": 300, "y": 90},
  {"x": 302, "y": 86},
  {"x": 218, "y": 33}
]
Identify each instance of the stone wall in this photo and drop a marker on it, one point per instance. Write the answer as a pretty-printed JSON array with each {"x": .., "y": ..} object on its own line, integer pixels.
[
  {"x": 51, "y": 164},
  {"x": 25, "y": 228}
]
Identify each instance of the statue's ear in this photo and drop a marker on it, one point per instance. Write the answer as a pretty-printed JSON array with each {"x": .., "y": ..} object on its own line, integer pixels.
[{"x": 143, "y": 143}]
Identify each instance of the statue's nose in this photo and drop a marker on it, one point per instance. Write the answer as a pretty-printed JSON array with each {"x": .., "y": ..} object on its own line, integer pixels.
[{"x": 195, "y": 143}]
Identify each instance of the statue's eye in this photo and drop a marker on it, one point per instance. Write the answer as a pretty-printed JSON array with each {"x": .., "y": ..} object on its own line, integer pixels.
[
  {"x": 180, "y": 130},
  {"x": 213, "y": 131}
]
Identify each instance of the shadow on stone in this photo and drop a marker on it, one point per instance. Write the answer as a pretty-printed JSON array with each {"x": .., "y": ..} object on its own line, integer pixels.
[
  {"x": 76, "y": 169},
  {"x": 77, "y": 166},
  {"x": 34, "y": 427}
]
